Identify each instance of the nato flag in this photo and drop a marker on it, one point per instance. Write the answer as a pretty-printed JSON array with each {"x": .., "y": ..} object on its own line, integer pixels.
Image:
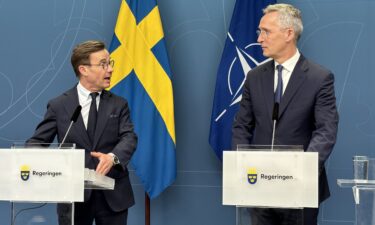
[{"x": 241, "y": 54}]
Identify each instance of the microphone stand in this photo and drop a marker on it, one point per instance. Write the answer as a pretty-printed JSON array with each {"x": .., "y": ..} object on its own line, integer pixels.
[
  {"x": 66, "y": 134},
  {"x": 74, "y": 118},
  {"x": 273, "y": 135},
  {"x": 275, "y": 118}
]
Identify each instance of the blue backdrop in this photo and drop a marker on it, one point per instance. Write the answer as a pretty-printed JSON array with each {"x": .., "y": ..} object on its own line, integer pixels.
[{"x": 36, "y": 39}]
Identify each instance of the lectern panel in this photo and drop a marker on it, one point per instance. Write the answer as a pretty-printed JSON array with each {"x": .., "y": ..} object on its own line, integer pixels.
[
  {"x": 42, "y": 175},
  {"x": 270, "y": 179}
]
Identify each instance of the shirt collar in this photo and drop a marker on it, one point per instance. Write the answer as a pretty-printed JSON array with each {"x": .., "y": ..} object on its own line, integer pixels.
[
  {"x": 84, "y": 92},
  {"x": 291, "y": 62}
]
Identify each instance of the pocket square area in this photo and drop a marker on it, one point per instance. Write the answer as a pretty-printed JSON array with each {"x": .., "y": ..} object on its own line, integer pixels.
[{"x": 113, "y": 116}]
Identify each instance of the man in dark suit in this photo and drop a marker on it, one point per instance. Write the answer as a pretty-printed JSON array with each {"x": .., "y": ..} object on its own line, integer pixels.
[
  {"x": 103, "y": 129},
  {"x": 307, "y": 105}
]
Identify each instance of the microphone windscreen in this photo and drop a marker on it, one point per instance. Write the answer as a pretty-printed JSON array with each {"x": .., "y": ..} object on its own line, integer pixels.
[
  {"x": 76, "y": 113},
  {"x": 275, "y": 112}
]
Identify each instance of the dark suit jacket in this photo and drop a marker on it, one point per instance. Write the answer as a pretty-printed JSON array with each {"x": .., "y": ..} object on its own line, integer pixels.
[
  {"x": 114, "y": 133},
  {"x": 307, "y": 114}
]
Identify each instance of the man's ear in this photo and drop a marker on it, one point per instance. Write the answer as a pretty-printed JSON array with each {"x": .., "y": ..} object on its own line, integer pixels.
[
  {"x": 82, "y": 70},
  {"x": 290, "y": 35}
]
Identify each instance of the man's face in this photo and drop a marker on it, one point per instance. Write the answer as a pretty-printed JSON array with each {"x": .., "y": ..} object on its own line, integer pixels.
[
  {"x": 273, "y": 39},
  {"x": 97, "y": 76}
]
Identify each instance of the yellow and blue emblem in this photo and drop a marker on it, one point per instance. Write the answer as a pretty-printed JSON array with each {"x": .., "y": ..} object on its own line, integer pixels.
[
  {"x": 252, "y": 175},
  {"x": 25, "y": 172}
]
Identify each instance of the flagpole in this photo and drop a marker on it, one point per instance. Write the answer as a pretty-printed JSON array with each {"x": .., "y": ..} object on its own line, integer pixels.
[{"x": 147, "y": 209}]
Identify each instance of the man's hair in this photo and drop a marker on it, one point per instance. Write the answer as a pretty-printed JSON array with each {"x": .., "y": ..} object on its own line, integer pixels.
[
  {"x": 81, "y": 53},
  {"x": 288, "y": 16}
]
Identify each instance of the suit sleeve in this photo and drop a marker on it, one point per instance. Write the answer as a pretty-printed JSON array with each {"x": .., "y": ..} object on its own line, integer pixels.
[
  {"x": 47, "y": 129},
  {"x": 326, "y": 121},
  {"x": 127, "y": 138},
  {"x": 244, "y": 121}
]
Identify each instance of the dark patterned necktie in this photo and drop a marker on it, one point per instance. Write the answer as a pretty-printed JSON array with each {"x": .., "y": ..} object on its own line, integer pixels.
[
  {"x": 279, "y": 88},
  {"x": 93, "y": 116}
]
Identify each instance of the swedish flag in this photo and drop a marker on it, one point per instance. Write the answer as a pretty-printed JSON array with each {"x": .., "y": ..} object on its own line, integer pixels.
[{"x": 142, "y": 75}]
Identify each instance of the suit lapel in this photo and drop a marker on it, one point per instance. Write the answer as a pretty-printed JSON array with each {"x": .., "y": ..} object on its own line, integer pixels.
[
  {"x": 267, "y": 83},
  {"x": 295, "y": 81},
  {"x": 78, "y": 127},
  {"x": 103, "y": 115}
]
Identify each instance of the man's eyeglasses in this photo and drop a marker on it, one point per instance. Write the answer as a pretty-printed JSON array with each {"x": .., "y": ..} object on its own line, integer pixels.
[
  {"x": 104, "y": 65},
  {"x": 264, "y": 33}
]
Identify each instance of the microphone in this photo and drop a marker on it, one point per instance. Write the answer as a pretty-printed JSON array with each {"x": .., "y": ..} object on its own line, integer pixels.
[
  {"x": 76, "y": 113},
  {"x": 73, "y": 119},
  {"x": 275, "y": 112},
  {"x": 275, "y": 118}
]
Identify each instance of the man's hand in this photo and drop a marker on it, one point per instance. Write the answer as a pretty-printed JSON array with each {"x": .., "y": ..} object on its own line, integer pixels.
[{"x": 105, "y": 162}]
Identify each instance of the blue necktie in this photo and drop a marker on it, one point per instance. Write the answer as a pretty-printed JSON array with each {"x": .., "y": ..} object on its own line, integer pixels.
[
  {"x": 93, "y": 116},
  {"x": 279, "y": 88}
]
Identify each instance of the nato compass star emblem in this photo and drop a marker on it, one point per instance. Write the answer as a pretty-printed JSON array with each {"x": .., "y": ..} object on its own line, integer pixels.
[{"x": 244, "y": 56}]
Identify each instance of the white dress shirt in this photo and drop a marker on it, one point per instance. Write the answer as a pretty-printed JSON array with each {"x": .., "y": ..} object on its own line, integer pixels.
[
  {"x": 288, "y": 67},
  {"x": 84, "y": 99}
]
